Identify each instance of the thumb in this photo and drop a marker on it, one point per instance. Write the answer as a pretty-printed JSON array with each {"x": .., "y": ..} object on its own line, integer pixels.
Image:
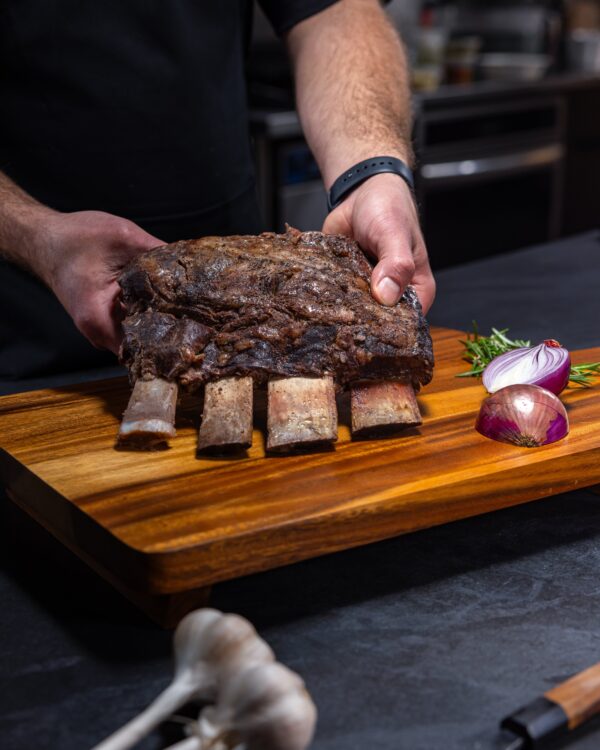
[
  {"x": 130, "y": 239},
  {"x": 150, "y": 241},
  {"x": 395, "y": 269},
  {"x": 143, "y": 240}
]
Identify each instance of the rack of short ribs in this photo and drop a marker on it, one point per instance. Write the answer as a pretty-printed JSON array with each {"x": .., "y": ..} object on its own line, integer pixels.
[{"x": 293, "y": 311}]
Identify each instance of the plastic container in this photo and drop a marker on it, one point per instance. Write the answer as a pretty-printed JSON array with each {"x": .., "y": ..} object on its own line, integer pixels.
[{"x": 583, "y": 50}]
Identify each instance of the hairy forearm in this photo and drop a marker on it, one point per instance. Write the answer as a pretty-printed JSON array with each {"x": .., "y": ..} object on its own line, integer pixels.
[
  {"x": 352, "y": 86},
  {"x": 20, "y": 219}
]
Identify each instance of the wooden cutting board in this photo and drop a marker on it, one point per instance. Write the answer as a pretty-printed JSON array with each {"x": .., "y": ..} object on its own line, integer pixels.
[{"x": 164, "y": 526}]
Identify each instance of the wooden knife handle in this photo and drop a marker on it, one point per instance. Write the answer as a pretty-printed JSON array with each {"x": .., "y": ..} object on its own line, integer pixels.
[
  {"x": 559, "y": 710},
  {"x": 579, "y": 696}
]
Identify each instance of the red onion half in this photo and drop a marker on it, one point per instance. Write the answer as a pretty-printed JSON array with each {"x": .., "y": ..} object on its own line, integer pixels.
[
  {"x": 524, "y": 415},
  {"x": 547, "y": 365}
]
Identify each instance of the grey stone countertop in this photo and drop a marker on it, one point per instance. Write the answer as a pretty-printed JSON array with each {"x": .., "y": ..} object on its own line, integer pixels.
[{"x": 423, "y": 642}]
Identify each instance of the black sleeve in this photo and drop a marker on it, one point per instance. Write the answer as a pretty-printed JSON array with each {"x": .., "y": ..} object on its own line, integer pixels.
[{"x": 283, "y": 14}]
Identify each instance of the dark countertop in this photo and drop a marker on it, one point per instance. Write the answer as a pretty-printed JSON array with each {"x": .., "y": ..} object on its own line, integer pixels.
[{"x": 423, "y": 642}]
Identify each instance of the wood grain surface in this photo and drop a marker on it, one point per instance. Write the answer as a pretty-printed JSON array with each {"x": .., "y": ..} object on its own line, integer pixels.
[
  {"x": 579, "y": 697},
  {"x": 166, "y": 521}
]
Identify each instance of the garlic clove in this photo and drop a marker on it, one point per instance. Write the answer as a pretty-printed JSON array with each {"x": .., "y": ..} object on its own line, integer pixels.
[
  {"x": 268, "y": 707},
  {"x": 249, "y": 690},
  {"x": 209, "y": 645},
  {"x": 287, "y": 724},
  {"x": 231, "y": 642}
]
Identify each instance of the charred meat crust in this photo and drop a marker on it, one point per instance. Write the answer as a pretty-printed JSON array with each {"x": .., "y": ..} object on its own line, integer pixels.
[{"x": 273, "y": 305}]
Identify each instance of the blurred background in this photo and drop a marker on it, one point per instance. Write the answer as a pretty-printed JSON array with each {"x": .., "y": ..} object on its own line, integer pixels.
[{"x": 507, "y": 124}]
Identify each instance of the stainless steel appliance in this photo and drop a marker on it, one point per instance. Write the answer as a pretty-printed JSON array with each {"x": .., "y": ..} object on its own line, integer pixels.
[{"x": 489, "y": 178}]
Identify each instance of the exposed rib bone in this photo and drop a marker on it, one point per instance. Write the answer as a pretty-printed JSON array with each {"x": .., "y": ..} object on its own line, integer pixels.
[
  {"x": 227, "y": 416},
  {"x": 149, "y": 419},
  {"x": 301, "y": 413},
  {"x": 381, "y": 407}
]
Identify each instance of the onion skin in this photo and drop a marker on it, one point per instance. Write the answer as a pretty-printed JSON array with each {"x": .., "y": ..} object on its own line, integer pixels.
[
  {"x": 523, "y": 415},
  {"x": 547, "y": 365}
]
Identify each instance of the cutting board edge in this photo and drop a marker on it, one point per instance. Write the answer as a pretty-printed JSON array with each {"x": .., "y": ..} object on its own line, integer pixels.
[
  {"x": 71, "y": 526},
  {"x": 161, "y": 572},
  {"x": 347, "y": 531}
]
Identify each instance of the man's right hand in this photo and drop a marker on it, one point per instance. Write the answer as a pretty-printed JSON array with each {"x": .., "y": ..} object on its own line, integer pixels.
[{"x": 80, "y": 256}]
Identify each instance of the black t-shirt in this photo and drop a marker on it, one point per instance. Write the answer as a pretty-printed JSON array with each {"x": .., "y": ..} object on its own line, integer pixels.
[{"x": 135, "y": 107}]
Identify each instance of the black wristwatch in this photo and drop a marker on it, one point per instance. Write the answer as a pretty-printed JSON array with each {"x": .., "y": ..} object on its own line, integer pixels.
[{"x": 360, "y": 172}]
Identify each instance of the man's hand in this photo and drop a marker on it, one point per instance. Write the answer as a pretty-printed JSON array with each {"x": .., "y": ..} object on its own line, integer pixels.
[
  {"x": 80, "y": 255},
  {"x": 381, "y": 216},
  {"x": 353, "y": 97}
]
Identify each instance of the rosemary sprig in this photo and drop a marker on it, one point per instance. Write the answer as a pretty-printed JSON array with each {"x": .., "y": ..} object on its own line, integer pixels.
[
  {"x": 481, "y": 350},
  {"x": 581, "y": 374}
]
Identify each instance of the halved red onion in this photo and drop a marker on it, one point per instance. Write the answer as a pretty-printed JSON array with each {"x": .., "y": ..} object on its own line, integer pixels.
[
  {"x": 524, "y": 415},
  {"x": 547, "y": 365}
]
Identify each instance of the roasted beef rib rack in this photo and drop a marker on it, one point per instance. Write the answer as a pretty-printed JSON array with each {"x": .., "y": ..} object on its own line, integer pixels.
[{"x": 293, "y": 311}]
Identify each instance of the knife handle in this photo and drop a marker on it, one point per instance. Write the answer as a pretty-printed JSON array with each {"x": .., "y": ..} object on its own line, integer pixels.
[
  {"x": 559, "y": 710},
  {"x": 579, "y": 696}
]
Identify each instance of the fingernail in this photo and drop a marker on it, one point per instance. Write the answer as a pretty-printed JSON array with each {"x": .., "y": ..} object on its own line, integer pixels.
[{"x": 388, "y": 291}]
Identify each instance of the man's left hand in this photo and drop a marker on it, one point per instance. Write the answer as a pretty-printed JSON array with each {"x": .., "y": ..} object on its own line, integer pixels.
[{"x": 381, "y": 216}]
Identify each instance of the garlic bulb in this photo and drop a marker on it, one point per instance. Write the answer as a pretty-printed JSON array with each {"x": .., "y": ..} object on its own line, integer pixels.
[
  {"x": 221, "y": 659},
  {"x": 265, "y": 707}
]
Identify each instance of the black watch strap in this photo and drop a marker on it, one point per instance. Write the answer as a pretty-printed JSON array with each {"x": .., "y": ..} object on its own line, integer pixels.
[{"x": 360, "y": 172}]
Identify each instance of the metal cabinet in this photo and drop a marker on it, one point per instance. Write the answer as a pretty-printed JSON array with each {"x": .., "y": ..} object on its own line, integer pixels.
[
  {"x": 490, "y": 176},
  {"x": 498, "y": 167}
]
